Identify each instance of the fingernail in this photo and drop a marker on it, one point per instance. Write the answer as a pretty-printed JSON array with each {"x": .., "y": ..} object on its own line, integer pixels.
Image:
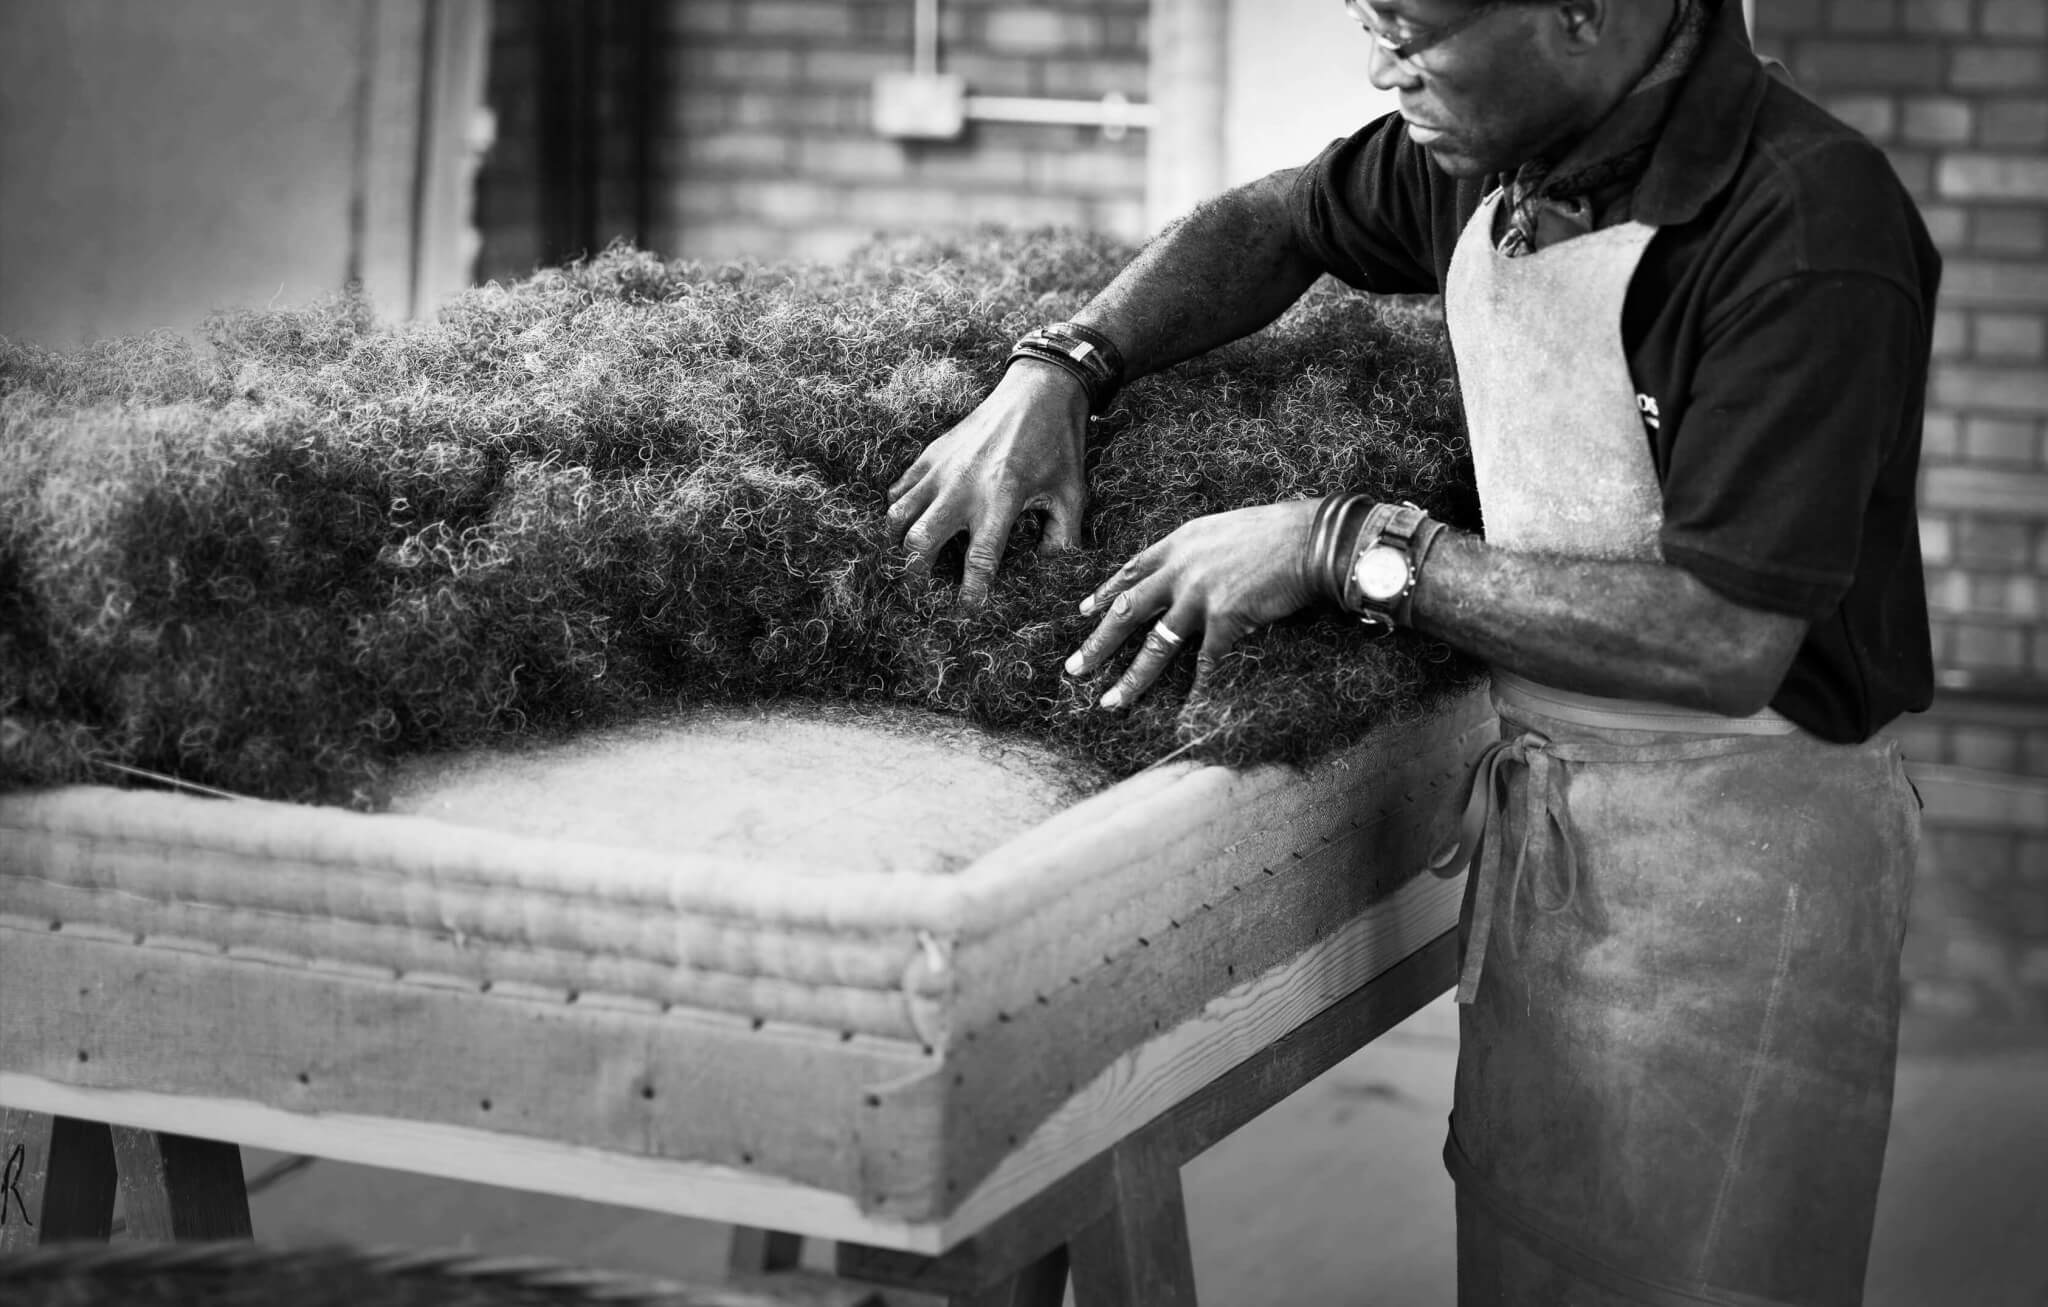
[
  {"x": 1114, "y": 699},
  {"x": 1074, "y": 665},
  {"x": 1088, "y": 605}
]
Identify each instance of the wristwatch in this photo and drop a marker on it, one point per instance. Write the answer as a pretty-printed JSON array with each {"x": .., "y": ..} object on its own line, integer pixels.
[{"x": 1388, "y": 559}]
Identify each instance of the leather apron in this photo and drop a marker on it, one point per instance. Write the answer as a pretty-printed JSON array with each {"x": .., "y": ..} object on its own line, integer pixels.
[{"x": 1681, "y": 932}]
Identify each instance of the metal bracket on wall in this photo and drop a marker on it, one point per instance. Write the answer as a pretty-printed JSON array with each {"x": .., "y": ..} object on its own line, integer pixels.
[{"x": 925, "y": 104}]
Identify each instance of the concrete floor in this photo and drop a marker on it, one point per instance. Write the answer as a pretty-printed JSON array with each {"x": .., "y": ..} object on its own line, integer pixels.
[{"x": 1337, "y": 1198}]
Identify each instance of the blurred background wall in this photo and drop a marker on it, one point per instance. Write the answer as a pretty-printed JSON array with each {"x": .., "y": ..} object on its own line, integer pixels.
[
  {"x": 158, "y": 160},
  {"x": 111, "y": 160},
  {"x": 162, "y": 157},
  {"x": 720, "y": 128}
]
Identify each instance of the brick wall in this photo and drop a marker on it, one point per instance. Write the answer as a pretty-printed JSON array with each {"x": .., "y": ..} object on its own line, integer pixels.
[
  {"x": 1957, "y": 93},
  {"x": 764, "y": 145}
]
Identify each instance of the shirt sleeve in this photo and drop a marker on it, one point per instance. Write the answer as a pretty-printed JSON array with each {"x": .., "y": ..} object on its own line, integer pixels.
[
  {"x": 1363, "y": 208},
  {"x": 1808, "y": 391}
]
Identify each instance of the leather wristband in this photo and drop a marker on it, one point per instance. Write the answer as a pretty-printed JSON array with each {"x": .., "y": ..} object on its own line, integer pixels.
[
  {"x": 1083, "y": 352},
  {"x": 1426, "y": 536},
  {"x": 1404, "y": 526}
]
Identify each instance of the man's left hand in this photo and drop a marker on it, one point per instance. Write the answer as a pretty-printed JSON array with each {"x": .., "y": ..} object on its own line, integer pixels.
[{"x": 1214, "y": 579}]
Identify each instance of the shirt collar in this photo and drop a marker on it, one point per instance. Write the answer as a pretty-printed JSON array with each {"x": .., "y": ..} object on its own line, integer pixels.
[{"x": 1705, "y": 137}]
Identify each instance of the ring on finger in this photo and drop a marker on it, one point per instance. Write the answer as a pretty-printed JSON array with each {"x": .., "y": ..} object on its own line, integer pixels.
[{"x": 1169, "y": 637}]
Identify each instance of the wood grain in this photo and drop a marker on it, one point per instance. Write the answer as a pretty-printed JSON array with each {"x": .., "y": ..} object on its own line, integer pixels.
[
  {"x": 175, "y": 1187},
  {"x": 569, "y": 1113},
  {"x": 985, "y": 1260},
  {"x": 776, "y": 1101},
  {"x": 56, "y": 1178},
  {"x": 705, "y": 1191},
  {"x": 977, "y": 1257},
  {"x": 1137, "y": 1254},
  {"x": 1231, "y": 1029}
]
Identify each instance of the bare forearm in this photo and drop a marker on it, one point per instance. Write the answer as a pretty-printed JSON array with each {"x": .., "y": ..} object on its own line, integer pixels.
[
  {"x": 1223, "y": 271},
  {"x": 1626, "y": 630}
]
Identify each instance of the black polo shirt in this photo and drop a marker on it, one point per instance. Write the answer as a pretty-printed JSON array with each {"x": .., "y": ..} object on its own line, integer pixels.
[{"x": 1777, "y": 330}]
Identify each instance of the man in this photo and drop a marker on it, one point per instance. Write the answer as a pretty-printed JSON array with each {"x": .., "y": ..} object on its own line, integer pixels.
[{"x": 1691, "y": 317}]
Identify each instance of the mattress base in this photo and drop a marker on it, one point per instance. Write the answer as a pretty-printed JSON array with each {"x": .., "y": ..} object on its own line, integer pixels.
[{"x": 1203, "y": 1097}]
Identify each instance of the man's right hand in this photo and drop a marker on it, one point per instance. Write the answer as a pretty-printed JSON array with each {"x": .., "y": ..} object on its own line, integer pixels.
[{"x": 1020, "y": 450}]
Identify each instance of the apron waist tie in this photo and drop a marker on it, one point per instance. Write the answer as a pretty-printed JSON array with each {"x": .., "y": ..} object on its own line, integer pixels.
[
  {"x": 1670, "y": 735},
  {"x": 1545, "y": 809}
]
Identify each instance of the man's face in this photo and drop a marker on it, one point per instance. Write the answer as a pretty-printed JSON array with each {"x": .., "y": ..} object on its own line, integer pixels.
[{"x": 1498, "y": 89}]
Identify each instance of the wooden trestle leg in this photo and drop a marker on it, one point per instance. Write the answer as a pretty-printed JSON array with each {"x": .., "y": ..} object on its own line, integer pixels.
[
  {"x": 179, "y": 1188},
  {"x": 762, "y": 1252},
  {"x": 1041, "y": 1284},
  {"x": 1136, "y": 1254},
  {"x": 1040, "y": 1281},
  {"x": 1118, "y": 1225},
  {"x": 56, "y": 1179}
]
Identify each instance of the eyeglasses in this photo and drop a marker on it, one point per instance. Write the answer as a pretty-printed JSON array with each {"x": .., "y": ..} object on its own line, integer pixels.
[{"x": 1404, "y": 52}]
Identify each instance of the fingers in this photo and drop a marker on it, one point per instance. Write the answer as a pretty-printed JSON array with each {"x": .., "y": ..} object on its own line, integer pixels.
[
  {"x": 926, "y": 529},
  {"x": 1134, "y": 599},
  {"x": 922, "y": 521},
  {"x": 1062, "y": 531},
  {"x": 908, "y": 500},
  {"x": 911, "y": 476},
  {"x": 1137, "y": 600},
  {"x": 1163, "y": 643},
  {"x": 984, "y": 555},
  {"x": 1121, "y": 582},
  {"x": 1108, "y": 635},
  {"x": 1219, "y": 637}
]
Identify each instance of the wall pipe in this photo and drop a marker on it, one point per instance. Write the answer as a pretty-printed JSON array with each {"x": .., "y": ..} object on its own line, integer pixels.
[{"x": 1113, "y": 113}]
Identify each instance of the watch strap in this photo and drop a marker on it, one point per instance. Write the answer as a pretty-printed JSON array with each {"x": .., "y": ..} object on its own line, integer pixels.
[
  {"x": 1404, "y": 526},
  {"x": 1424, "y": 540}
]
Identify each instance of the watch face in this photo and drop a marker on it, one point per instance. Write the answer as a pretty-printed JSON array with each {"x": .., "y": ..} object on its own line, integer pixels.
[{"x": 1382, "y": 573}]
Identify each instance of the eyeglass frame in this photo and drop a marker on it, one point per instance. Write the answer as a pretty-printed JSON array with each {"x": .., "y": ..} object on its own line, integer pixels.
[{"x": 1404, "y": 52}]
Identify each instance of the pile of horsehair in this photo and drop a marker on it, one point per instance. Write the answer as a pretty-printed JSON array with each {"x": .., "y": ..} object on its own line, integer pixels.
[{"x": 282, "y": 560}]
